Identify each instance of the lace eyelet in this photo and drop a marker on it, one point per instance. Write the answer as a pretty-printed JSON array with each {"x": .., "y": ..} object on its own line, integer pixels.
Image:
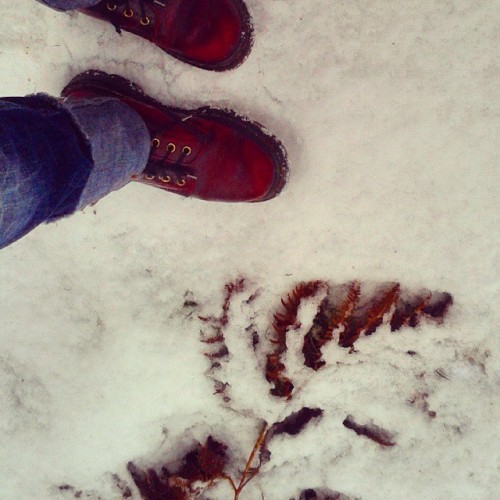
[
  {"x": 171, "y": 147},
  {"x": 165, "y": 179},
  {"x": 145, "y": 21},
  {"x": 156, "y": 143},
  {"x": 186, "y": 150},
  {"x": 181, "y": 182},
  {"x": 149, "y": 177},
  {"x": 128, "y": 13},
  {"x": 111, "y": 7}
]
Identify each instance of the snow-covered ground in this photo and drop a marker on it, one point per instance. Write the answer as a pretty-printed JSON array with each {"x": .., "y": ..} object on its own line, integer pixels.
[{"x": 389, "y": 112}]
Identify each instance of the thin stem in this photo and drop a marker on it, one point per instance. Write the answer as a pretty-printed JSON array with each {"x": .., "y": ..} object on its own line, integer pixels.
[{"x": 244, "y": 481}]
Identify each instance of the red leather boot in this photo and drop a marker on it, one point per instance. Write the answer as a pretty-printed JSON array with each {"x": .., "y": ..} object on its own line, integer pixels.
[
  {"x": 210, "y": 34},
  {"x": 206, "y": 153}
]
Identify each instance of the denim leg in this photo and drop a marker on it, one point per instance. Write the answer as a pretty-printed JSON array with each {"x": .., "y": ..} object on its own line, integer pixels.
[
  {"x": 69, "y": 4},
  {"x": 119, "y": 140},
  {"x": 56, "y": 158},
  {"x": 44, "y": 164}
]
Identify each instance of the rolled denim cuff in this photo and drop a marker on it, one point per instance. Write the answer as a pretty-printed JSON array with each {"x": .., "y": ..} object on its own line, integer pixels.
[
  {"x": 69, "y": 4},
  {"x": 119, "y": 141}
]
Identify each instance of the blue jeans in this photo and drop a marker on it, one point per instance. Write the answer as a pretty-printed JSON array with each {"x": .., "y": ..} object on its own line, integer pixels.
[{"x": 56, "y": 158}]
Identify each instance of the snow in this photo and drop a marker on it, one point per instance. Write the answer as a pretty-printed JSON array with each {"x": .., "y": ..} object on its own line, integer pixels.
[{"x": 388, "y": 111}]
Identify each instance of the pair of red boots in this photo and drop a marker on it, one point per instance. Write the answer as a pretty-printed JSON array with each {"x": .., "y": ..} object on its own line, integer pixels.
[{"x": 205, "y": 153}]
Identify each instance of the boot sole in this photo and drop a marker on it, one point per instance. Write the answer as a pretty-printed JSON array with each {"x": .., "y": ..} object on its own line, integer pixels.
[{"x": 118, "y": 86}]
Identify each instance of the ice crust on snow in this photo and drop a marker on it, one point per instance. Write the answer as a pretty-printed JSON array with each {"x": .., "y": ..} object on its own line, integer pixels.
[{"x": 389, "y": 113}]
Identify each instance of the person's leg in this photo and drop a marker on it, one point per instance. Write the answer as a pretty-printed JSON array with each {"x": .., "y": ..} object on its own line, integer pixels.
[
  {"x": 69, "y": 4},
  {"x": 119, "y": 140},
  {"x": 56, "y": 159}
]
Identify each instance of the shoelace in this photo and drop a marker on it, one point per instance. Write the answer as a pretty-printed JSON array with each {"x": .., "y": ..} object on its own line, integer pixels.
[{"x": 168, "y": 172}]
